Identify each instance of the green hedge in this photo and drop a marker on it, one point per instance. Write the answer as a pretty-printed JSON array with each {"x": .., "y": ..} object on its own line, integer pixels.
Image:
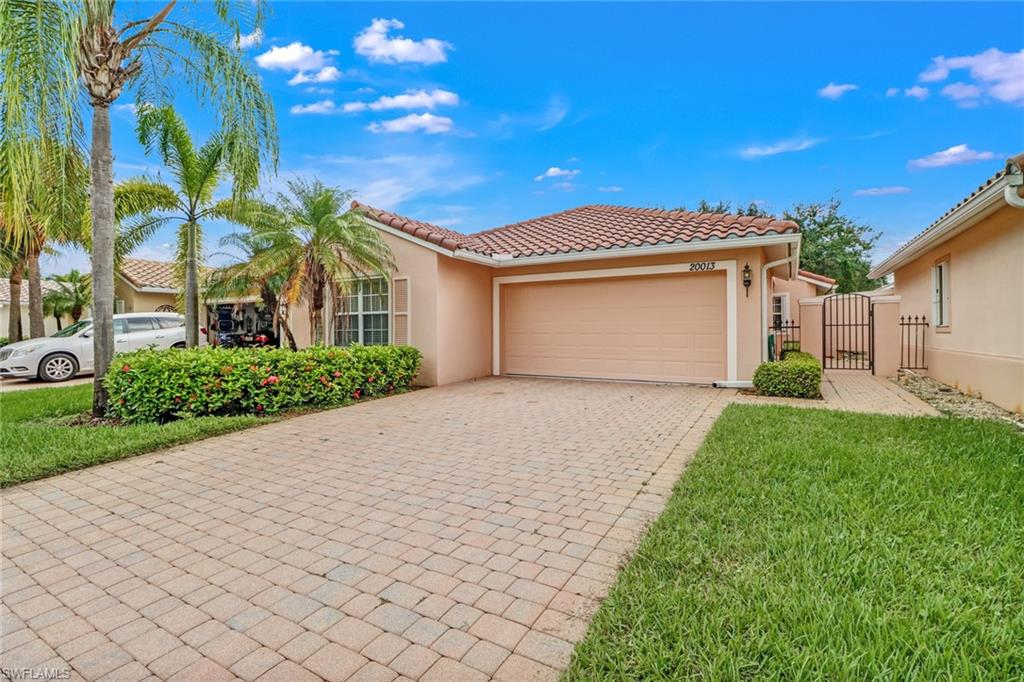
[
  {"x": 154, "y": 386},
  {"x": 797, "y": 375}
]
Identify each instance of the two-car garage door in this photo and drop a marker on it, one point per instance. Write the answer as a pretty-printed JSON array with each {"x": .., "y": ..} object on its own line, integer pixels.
[{"x": 652, "y": 328}]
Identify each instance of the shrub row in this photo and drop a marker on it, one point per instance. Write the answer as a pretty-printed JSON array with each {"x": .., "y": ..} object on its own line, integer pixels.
[
  {"x": 797, "y": 375},
  {"x": 155, "y": 386}
]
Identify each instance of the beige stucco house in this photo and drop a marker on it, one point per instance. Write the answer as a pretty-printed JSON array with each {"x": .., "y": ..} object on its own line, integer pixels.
[
  {"x": 965, "y": 273},
  {"x": 602, "y": 292},
  {"x": 7, "y": 308}
]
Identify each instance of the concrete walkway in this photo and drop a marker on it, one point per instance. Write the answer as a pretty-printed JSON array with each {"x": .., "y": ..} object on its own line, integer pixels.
[
  {"x": 10, "y": 385},
  {"x": 856, "y": 391},
  {"x": 459, "y": 533}
]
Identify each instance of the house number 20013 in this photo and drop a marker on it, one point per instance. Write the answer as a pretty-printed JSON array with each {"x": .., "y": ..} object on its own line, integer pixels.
[{"x": 703, "y": 266}]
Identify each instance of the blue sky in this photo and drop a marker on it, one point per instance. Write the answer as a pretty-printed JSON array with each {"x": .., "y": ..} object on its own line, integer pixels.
[{"x": 476, "y": 115}]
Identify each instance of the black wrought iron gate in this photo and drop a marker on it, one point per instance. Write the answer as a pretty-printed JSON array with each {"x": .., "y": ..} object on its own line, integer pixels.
[{"x": 848, "y": 326}]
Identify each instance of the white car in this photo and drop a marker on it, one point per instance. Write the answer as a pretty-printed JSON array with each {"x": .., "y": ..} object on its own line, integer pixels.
[{"x": 68, "y": 353}]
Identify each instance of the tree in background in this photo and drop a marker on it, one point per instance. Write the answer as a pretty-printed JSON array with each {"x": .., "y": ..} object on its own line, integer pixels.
[
  {"x": 48, "y": 50},
  {"x": 72, "y": 295},
  {"x": 831, "y": 244},
  {"x": 835, "y": 245},
  {"x": 320, "y": 246}
]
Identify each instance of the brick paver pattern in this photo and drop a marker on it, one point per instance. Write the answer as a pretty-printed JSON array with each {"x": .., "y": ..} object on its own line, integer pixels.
[{"x": 459, "y": 533}]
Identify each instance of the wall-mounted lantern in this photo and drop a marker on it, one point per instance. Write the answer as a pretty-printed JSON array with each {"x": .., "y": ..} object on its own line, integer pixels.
[{"x": 748, "y": 278}]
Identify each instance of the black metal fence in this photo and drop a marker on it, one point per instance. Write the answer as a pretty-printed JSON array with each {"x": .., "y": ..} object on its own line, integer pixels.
[
  {"x": 786, "y": 337},
  {"x": 913, "y": 330},
  {"x": 848, "y": 332}
]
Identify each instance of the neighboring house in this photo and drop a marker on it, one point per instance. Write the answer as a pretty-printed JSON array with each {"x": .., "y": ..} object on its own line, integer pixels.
[
  {"x": 601, "y": 292},
  {"x": 145, "y": 286},
  {"x": 965, "y": 272},
  {"x": 786, "y": 294},
  {"x": 149, "y": 286},
  {"x": 50, "y": 322}
]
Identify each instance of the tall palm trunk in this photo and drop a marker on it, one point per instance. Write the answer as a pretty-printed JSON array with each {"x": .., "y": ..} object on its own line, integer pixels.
[
  {"x": 191, "y": 288},
  {"x": 102, "y": 204},
  {"x": 36, "y": 318},
  {"x": 14, "y": 321}
]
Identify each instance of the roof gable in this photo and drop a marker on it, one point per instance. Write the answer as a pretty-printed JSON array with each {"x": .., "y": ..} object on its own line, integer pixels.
[{"x": 143, "y": 274}]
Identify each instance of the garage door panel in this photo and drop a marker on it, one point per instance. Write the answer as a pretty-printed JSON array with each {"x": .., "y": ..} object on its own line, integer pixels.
[{"x": 661, "y": 328}]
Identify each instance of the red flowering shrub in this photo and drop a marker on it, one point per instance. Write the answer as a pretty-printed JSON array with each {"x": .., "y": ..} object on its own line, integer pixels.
[{"x": 152, "y": 386}]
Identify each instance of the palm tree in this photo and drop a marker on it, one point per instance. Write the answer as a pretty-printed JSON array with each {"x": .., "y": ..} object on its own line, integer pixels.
[
  {"x": 197, "y": 174},
  {"x": 47, "y": 49},
  {"x": 72, "y": 295},
  {"x": 308, "y": 236}
]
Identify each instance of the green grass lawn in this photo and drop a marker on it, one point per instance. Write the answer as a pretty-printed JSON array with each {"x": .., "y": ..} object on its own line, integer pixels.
[
  {"x": 36, "y": 438},
  {"x": 805, "y": 544}
]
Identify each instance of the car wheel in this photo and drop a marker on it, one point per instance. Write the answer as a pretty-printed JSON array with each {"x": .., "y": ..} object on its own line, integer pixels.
[
  {"x": 58, "y": 367},
  {"x": 178, "y": 346}
]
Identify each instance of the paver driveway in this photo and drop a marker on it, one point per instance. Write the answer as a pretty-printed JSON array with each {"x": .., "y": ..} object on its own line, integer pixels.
[{"x": 461, "y": 532}]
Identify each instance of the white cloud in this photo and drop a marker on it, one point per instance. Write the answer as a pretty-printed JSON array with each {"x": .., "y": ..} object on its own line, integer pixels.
[
  {"x": 428, "y": 123},
  {"x": 294, "y": 57},
  {"x": 388, "y": 181},
  {"x": 997, "y": 74},
  {"x": 553, "y": 115},
  {"x": 610, "y": 188},
  {"x": 781, "y": 147},
  {"x": 964, "y": 94},
  {"x": 248, "y": 40},
  {"x": 410, "y": 99},
  {"x": 954, "y": 156},
  {"x": 892, "y": 92},
  {"x": 881, "y": 191},
  {"x": 128, "y": 109},
  {"x": 917, "y": 92},
  {"x": 556, "y": 172},
  {"x": 319, "y": 91},
  {"x": 374, "y": 43},
  {"x": 328, "y": 74},
  {"x": 836, "y": 90},
  {"x": 322, "y": 107}
]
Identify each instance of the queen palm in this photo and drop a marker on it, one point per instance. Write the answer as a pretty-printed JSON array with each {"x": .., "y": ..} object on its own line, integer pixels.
[
  {"x": 197, "y": 174},
  {"x": 48, "y": 50},
  {"x": 320, "y": 247}
]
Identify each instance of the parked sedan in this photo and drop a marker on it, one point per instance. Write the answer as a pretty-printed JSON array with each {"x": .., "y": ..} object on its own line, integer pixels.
[{"x": 68, "y": 353}]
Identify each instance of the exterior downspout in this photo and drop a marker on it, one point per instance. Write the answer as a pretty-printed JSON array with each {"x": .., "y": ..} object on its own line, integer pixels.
[
  {"x": 791, "y": 258},
  {"x": 1014, "y": 181}
]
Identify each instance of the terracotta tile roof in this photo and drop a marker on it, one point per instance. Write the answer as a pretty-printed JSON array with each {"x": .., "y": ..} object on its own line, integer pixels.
[
  {"x": 589, "y": 228},
  {"x": 148, "y": 273},
  {"x": 820, "y": 278},
  {"x": 5, "y": 291}
]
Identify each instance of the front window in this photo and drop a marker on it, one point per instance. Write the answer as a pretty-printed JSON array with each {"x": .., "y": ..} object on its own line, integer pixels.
[
  {"x": 364, "y": 316},
  {"x": 74, "y": 329}
]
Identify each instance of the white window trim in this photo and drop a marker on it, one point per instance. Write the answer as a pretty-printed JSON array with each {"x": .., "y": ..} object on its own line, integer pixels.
[
  {"x": 407, "y": 313},
  {"x": 785, "y": 307},
  {"x": 941, "y": 303},
  {"x": 731, "y": 299},
  {"x": 389, "y": 312}
]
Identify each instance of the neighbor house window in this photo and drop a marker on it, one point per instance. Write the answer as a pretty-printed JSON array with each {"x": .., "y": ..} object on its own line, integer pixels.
[
  {"x": 364, "y": 314},
  {"x": 780, "y": 310},
  {"x": 941, "y": 297}
]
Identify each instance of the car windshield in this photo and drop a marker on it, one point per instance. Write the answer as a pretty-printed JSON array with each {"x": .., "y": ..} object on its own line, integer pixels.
[{"x": 73, "y": 329}]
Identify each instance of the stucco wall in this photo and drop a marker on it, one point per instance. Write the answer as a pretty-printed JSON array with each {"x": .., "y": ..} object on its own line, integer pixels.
[
  {"x": 797, "y": 289},
  {"x": 982, "y": 350},
  {"x": 463, "y": 320},
  {"x": 420, "y": 265},
  {"x": 141, "y": 302},
  {"x": 49, "y": 322}
]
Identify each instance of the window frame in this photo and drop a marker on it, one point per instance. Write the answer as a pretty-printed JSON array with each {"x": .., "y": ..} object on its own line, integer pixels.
[
  {"x": 783, "y": 310},
  {"x": 362, "y": 314},
  {"x": 942, "y": 294}
]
